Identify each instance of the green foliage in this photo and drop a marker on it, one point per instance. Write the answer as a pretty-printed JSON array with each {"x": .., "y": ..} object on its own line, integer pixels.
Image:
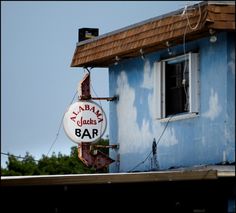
[
  {"x": 55, "y": 164},
  {"x": 27, "y": 166},
  {"x": 103, "y": 142}
]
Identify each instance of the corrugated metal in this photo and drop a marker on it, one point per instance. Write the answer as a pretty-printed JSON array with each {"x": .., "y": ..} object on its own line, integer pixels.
[{"x": 151, "y": 36}]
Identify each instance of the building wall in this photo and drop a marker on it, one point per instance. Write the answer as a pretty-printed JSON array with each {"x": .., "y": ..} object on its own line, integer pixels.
[{"x": 206, "y": 139}]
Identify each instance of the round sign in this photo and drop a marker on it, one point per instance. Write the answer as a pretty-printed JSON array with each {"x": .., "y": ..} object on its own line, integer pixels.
[{"x": 85, "y": 121}]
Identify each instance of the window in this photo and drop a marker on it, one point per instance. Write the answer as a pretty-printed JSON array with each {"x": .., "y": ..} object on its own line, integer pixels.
[{"x": 176, "y": 86}]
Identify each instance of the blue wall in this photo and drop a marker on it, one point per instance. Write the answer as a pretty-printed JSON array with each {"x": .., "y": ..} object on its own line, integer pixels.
[{"x": 206, "y": 139}]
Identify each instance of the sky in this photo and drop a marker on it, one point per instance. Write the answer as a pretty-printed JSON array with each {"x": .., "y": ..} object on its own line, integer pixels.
[{"x": 38, "y": 40}]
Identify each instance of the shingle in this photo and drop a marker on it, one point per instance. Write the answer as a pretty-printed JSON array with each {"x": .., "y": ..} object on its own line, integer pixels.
[{"x": 152, "y": 36}]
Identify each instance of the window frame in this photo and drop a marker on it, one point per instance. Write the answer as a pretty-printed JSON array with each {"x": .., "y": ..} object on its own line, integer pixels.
[{"x": 160, "y": 84}]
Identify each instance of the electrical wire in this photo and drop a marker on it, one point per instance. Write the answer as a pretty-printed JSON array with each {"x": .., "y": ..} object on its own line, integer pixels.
[
  {"x": 100, "y": 103},
  {"x": 54, "y": 141},
  {"x": 131, "y": 170},
  {"x": 59, "y": 128},
  {"x": 142, "y": 162},
  {"x": 185, "y": 67},
  {"x": 198, "y": 22},
  {"x": 16, "y": 156},
  {"x": 171, "y": 116}
]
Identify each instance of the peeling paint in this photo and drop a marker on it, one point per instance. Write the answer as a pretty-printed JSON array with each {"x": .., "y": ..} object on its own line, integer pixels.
[
  {"x": 228, "y": 133},
  {"x": 131, "y": 137},
  {"x": 169, "y": 139},
  {"x": 203, "y": 141},
  {"x": 214, "y": 106},
  {"x": 151, "y": 105},
  {"x": 147, "y": 76},
  {"x": 185, "y": 142},
  {"x": 231, "y": 63}
]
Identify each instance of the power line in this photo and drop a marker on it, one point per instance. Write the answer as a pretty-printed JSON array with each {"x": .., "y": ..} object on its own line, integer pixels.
[
  {"x": 16, "y": 156},
  {"x": 61, "y": 122},
  {"x": 184, "y": 41},
  {"x": 199, "y": 19},
  {"x": 140, "y": 162},
  {"x": 164, "y": 128},
  {"x": 54, "y": 141},
  {"x": 100, "y": 103},
  {"x": 59, "y": 128},
  {"x": 156, "y": 145},
  {"x": 102, "y": 111}
]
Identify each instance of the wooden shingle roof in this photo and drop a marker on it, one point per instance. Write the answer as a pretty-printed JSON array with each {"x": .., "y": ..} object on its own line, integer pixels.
[{"x": 152, "y": 35}]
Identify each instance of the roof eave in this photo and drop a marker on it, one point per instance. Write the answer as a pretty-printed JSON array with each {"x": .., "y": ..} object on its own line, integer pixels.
[{"x": 151, "y": 35}]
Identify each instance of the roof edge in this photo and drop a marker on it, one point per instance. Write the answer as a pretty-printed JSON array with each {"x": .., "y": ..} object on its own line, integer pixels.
[
  {"x": 221, "y": 2},
  {"x": 139, "y": 24}
]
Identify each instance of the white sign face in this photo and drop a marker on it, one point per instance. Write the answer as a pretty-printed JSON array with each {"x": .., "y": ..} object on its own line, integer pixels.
[{"x": 85, "y": 121}]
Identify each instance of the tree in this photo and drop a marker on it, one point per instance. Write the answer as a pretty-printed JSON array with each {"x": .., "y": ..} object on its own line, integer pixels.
[
  {"x": 55, "y": 164},
  {"x": 27, "y": 166}
]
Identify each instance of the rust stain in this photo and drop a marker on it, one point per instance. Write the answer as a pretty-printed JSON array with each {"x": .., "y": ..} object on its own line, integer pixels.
[{"x": 93, "y": 158}]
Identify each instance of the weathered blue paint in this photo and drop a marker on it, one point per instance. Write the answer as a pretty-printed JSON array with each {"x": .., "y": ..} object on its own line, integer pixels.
[{"x": 206, "y": 139}]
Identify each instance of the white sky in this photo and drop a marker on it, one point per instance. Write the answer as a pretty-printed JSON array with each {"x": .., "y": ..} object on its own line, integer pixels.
[{"x": 38, "y": 40}]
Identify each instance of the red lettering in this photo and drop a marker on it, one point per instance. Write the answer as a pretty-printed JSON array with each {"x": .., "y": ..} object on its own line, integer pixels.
[
  {"x": 100, "y": 120},
  {"x": 82, "y": 122},
  {"x": 93, "y": 122},
  {"x": 92, "y": 109},
  {"x": 98, "y": 113},
  {"x": 73, "y": 118},
  {"x": 79, "y": 122},
  {"x": 81, "y": 108}
]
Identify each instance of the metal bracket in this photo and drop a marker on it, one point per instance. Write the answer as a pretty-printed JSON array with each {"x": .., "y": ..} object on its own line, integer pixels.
[
  {"x": 93, "y": 158},
  {"x": 114, "y": 98},
  {"x": 84, "y": 89},
  {"x": 112, "y": 146}
]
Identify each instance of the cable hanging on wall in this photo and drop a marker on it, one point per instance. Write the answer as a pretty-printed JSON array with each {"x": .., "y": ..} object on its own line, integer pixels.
[
  {"x": 154, "y": 162},
  {"x": 154, "y": 149},
  {"x": 185, "y": 80},
  {"x": 199, "y": 19}
]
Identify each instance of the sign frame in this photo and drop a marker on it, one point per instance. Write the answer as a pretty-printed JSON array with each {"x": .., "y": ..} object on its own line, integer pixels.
[{"x": 85, "y": 121}]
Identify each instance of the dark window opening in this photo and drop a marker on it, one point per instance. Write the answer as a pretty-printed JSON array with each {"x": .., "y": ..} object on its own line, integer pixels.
[{"x": 177, "y": 87}]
